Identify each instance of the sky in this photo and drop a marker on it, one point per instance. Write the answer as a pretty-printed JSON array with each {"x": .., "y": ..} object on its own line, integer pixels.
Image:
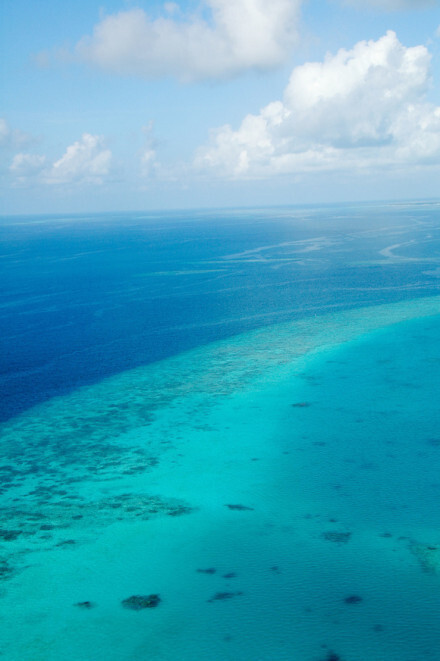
[{"x": 132, "y": 105}]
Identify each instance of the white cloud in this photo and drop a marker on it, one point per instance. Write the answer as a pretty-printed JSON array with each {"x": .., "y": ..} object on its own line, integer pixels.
[
  {"x": 148, "y": 157},
  {"x": 243, "y": 34},
  {"x": 86, "y": 161},
  {"x": 12, "y": 138},
  {"x": 27, "y": 165},
  {"x": 4, "y": 131},
  {"x": 362, "y": 108},
  {"x": 148, "y": 162}
]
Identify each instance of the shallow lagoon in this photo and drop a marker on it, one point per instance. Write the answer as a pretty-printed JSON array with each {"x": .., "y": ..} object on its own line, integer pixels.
[{"x": 277, "y": 489}]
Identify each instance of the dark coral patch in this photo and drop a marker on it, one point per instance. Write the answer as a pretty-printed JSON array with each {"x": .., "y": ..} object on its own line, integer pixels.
[
  {"x": 353, "y": 599},
  {"x": 85, "y": 605},
  {"x": 337, "y": 537},
  {"x": 179, "y": 510},
  {"x": 6, "y": 571},
  {"x": 10, "y": 535},
  {"x": 332, "y": 656},
  {"x": 221, "y": 596},
  {"x": 138, "y": 602}
]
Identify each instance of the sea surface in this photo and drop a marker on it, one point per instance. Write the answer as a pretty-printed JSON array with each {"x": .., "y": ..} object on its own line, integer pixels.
[{"x": 220, "y": 435}]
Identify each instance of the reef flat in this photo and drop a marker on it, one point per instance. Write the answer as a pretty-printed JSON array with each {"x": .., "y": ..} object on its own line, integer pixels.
[{"x": 274, "y": 489}]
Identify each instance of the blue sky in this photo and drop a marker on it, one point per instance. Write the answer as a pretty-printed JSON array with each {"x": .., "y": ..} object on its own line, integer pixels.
[{"x": 145, "y": 105}]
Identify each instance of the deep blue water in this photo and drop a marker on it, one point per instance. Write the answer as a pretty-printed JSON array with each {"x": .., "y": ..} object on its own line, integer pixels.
[{"x": 86, "y": 297}]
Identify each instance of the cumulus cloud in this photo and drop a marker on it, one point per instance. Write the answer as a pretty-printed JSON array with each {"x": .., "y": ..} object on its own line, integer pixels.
[
  {"x": 241, "y": 35},
  {"x": 27, "y": 165},
  {"x": 360, "y": 108},
  {"x": 86, "y": 161}
]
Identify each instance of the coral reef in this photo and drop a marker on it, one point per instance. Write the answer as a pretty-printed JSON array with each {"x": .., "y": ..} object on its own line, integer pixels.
[
  {"x": 47, "y": 521},
  {"x": 138, "y": 602},
  {"x": 428, "y": 556},
  {"x": 337, "y": 537}
]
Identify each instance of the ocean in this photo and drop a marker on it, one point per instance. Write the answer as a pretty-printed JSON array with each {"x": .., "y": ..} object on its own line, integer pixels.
[{"x": 220, "y": 435}]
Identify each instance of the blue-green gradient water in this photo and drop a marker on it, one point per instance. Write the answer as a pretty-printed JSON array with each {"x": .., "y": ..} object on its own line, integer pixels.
[{"x": 275, "y": 481}]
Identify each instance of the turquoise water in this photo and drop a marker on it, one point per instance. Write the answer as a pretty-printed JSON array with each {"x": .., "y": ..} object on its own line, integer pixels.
[{"x": 278, "y": 490}]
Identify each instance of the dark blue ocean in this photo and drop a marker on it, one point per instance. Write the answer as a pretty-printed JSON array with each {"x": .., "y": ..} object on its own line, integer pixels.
[
  {"x": 220, "y": 435},
  {"x": 86, "y": 297}
]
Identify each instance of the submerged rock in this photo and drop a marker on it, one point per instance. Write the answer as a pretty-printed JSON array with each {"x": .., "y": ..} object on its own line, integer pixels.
[{"x": 138, "y": 602}]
